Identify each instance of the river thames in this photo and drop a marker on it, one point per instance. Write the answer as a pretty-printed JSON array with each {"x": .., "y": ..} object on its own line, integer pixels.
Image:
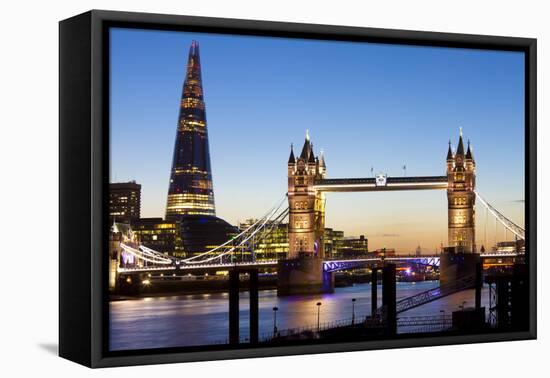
[{"x": 202, "y": 319}]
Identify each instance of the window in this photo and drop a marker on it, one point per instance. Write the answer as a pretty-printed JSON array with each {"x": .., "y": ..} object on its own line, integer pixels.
[
  {"x": 459, "y": 219},
  {"x": 460, "y": 201}
]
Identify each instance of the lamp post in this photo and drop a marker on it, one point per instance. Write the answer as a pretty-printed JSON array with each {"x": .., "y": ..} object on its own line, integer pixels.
[
  {"x": 353, "y": 311},
  {"x": 318, "y": 316},
  {"x": 275, "y": 309}
]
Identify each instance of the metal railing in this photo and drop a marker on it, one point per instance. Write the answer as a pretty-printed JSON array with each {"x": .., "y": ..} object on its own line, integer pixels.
[
  {"x": 310, "y": 331},
  {"x": 427, "y": 296},
  {"x": 433, "y": 322}
]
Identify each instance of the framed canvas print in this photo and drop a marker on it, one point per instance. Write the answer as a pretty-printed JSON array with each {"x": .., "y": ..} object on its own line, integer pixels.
[{"x": 233, "y": 188}]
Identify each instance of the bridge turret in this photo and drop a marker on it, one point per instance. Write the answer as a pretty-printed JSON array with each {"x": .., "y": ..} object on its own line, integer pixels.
[
  {"x": 319, "y": 207},
  {"x": 469, "y": 152},
  {"x": 460, "y": 148},
  {"x": 322, "y": 167},
  {"x": 291, "y": 162},
  {"x": 291, "y": 159},
  {"x": 469, "y": 159},
  {"x": 311, "y": 157},
  {"x": 450, "y": 159},
  {"x": 305, "y": 149}
]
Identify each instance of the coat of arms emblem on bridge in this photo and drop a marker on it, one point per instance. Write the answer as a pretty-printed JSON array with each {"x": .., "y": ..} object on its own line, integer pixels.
[{"x": 381, "y": 179}]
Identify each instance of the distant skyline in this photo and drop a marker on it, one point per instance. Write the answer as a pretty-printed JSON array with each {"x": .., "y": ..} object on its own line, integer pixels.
[{"x": 366, "y": 105}]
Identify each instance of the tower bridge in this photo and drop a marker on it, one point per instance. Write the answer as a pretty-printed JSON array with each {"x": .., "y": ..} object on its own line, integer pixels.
[
  {"x": 308, "y": 183},
  {"x": 306, "y": 270}
]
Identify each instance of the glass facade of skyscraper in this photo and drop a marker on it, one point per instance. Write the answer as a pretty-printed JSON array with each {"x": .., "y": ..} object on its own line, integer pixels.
[{"x": 190, "y": 191}]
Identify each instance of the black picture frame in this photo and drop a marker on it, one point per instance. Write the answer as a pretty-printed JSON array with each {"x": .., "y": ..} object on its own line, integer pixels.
[{"x": 84, "y": 165}]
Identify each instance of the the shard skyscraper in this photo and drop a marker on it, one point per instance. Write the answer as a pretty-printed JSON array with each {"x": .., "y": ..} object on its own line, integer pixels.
[{"x": 190, "y": 191}]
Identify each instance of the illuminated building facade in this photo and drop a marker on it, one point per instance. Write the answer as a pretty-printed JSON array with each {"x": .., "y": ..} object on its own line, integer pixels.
[
  {"x": 124, "y": 201},
  {"x": 354, "y": 247},
  {"x": 276, "y": 245},
  {"x": 157, "y": 234},
  {"x": 333, "y": 242},
  {"x": 190, "y": 189},
  {"x": 461, "y": 175}
]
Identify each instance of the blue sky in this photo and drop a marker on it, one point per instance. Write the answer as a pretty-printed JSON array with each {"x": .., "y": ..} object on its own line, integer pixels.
[{"x": 364, "y": 104}]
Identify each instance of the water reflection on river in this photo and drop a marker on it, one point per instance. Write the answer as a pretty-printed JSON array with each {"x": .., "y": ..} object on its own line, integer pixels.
[{"x": 202, "y": 319}]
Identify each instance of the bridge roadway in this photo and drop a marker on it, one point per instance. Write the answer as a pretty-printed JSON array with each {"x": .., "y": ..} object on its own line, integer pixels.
[{"x": 328, "y": 265}]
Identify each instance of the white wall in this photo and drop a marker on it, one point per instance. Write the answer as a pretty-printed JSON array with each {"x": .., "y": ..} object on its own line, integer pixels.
[{"x": 28, "y": 203}]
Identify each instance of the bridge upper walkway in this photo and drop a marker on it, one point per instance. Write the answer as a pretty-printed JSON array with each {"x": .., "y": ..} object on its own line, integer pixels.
[{"x": 390, "y": 183}]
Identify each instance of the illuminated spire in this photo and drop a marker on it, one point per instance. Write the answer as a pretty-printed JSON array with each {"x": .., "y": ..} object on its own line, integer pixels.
[
  {"x": 291, "y": 159},
  {"x": 460, "y": 148},
  {"x": 450, "y": 152},
  {"x": 311, "y": 154},
  {"x": 469, "y": 152},
  {"x": 306, "y": 148},
  {"x": 322, "y": 159}
]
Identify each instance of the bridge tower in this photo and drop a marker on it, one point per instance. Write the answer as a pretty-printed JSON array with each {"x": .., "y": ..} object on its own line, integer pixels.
[
  {"x": 460, "y": 258},
  {"x": 307, "y": 206},
  {"x": 302, "y": 272},
  {"x": 461, "y": 173}
]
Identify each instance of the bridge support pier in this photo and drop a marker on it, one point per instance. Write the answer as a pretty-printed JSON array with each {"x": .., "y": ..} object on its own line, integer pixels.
[
  {"x": 233, "y": 306},
  {"x": 479, "y": 285},
  {"x": 303, "y": 275},
  {"x": 456, "y": 265},
  {"x": 254, "y": 314},
  {"x": 374, "y": 290},
  {"x": 254, "y": 306},
  {"x": 389, "y": 297}
]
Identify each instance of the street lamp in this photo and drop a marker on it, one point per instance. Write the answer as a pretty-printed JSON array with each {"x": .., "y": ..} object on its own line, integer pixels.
[
  {"x": 353, "y": 311},
  {"x": 275, "y": 309},
  {"x": 318, "y": 316}
]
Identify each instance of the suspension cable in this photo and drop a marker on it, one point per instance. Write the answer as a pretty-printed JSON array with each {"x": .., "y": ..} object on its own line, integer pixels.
[
  {"x": 234, "y": 247},
  {"x": 514, "y": 228},
  {"x": 139, "y": 255},
  {"x": 267, "y": 216},
  {"x": 151, "y": 252}
]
